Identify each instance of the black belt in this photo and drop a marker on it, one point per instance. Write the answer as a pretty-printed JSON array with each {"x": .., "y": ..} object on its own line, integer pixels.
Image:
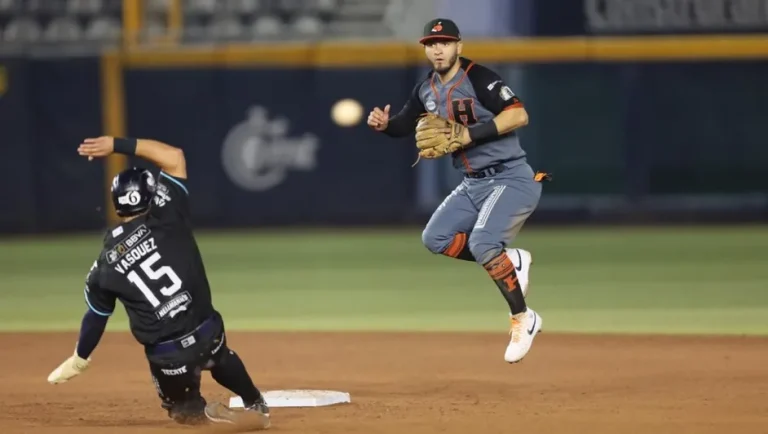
[
  {"x": 490, "y": 171},
  {"x": 202, "y": 333}
]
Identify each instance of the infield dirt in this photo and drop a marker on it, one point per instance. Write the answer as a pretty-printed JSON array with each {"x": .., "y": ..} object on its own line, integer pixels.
[{"x": 416, "y": 383}]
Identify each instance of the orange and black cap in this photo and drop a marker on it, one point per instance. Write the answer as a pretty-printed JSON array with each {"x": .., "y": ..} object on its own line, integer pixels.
[{"x": 440, "y": 29}]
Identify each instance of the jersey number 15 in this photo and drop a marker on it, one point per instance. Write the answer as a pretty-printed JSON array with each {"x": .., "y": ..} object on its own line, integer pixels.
[{"x": 155, "y": 274}]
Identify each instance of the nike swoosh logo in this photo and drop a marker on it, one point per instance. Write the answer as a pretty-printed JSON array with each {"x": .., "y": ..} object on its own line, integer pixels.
[
  {"x": 490, "y": 86},
  {"x": 533, "y": 327},
  {"x": 519, "y": 261}
]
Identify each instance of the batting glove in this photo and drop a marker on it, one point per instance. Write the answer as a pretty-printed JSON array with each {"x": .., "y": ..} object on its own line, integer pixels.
[{"x": 72, "y": 367}]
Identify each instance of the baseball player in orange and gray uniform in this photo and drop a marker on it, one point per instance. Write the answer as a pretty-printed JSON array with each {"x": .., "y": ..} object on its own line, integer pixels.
[{"x": 482, "y": 216}]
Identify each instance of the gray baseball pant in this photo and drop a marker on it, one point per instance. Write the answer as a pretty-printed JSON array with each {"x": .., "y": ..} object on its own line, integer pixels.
[{"x": 483, "y": 215}]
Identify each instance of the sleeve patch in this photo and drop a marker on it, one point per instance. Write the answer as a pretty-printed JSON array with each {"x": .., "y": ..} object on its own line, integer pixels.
[{"x": 506, "y": 93}]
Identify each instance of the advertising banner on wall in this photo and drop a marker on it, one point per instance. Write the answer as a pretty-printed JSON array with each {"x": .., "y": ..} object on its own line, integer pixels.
[
  {"x": 262, "y": 147},
  {"x": 647, "y": 17}
]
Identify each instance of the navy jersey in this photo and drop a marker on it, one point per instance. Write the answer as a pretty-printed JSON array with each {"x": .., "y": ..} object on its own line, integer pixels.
[
  {"x": 153, "y": 266},
  {"x": 474, "y": 95}
]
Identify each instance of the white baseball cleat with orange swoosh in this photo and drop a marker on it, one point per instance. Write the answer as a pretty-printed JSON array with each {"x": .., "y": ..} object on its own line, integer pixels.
[{"x": 523, "y": 329}]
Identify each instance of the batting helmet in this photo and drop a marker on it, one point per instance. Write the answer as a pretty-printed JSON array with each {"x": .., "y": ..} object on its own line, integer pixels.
[{"x": 132, "y": 191}]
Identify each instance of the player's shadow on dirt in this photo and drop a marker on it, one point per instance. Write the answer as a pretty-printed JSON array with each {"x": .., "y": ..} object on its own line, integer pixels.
[
  {"x": 133, "y": 423},
  {"x": 225, "y": 429},
  {"x": 125, "y": 423}
]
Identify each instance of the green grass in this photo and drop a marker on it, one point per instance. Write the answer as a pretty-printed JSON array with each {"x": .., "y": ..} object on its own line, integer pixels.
[{"x": 638, "y": 280}]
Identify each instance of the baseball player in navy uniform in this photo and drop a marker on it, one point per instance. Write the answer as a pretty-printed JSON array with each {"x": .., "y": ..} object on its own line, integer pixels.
[
  {"x": 151, "y": 263},
  {"x": 465, "y": 110}
]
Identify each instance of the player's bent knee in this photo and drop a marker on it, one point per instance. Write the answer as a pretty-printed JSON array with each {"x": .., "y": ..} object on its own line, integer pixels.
[{"x": 435, "y": 242}]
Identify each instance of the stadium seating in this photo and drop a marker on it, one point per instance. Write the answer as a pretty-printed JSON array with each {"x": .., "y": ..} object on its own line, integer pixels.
[{"x": 76, "y": 21}]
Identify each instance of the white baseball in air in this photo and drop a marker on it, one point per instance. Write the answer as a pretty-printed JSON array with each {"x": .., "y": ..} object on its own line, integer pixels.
[{"x": 347, "y": 112}]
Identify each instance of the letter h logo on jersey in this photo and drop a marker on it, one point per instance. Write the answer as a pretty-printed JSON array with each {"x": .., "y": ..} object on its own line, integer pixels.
[{"x": 464, "y": 110}]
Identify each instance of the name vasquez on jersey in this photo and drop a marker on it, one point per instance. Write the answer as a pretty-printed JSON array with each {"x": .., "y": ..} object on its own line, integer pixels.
[{"x": 129, "y": 250}]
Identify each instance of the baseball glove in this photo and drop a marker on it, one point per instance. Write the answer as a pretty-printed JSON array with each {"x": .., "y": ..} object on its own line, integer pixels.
[{"x": 437, "y": 136}]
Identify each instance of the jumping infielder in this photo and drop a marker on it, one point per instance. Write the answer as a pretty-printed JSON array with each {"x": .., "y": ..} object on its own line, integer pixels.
[
  {"x": 472, "y": 115},
  {"x": 151, "y": 263}
]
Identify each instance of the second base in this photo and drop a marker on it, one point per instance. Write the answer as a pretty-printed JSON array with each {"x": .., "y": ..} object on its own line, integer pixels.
[{"x": 298, "y": 398}]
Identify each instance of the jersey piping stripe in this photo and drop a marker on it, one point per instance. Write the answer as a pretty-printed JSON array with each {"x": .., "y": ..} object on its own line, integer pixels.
[
  {"x": 434, "y": 89},
  {"x": 90, "y": 306},
  {"x": 163, "y": 174},
  {"x": 449, "y": 108}
]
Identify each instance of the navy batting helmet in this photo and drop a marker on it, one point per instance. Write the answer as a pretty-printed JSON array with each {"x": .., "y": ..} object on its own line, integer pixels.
[{"x": 132, "y": 191}]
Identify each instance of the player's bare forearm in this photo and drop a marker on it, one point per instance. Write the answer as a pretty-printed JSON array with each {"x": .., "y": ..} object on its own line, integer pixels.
[
  {"x": 170, "y": 159},
  {"x": 511, "y": 119}
]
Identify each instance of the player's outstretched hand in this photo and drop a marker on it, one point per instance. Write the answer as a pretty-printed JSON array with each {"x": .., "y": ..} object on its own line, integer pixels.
[
  {"x": 379, "y": 119},
  {"x": 97, "y": 147},
  {"x": 72, "y": 367}
]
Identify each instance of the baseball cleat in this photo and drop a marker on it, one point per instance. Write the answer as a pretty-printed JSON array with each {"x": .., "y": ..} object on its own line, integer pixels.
[
  {"x": 252, "y": 418},
  {"x": 523, "y": 329},
  {"x": 522, "y": 260}
]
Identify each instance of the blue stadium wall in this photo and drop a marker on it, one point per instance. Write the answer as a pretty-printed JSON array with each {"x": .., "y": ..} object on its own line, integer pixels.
[{"x": 263, "y": 150}]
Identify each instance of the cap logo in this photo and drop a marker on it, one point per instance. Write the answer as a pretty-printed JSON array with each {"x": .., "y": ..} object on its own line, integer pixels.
[{"x": 437, "y": 27}]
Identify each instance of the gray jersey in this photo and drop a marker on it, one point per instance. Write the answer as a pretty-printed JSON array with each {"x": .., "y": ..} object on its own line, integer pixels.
[{"x": 474, "y": 95}]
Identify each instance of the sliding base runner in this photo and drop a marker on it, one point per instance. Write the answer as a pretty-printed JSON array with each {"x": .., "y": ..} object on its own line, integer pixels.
[{"x": 151, "y": 262}]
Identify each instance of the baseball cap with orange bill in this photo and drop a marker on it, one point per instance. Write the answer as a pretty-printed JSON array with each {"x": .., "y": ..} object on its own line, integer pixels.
[{"x": 440, "y": 29}]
